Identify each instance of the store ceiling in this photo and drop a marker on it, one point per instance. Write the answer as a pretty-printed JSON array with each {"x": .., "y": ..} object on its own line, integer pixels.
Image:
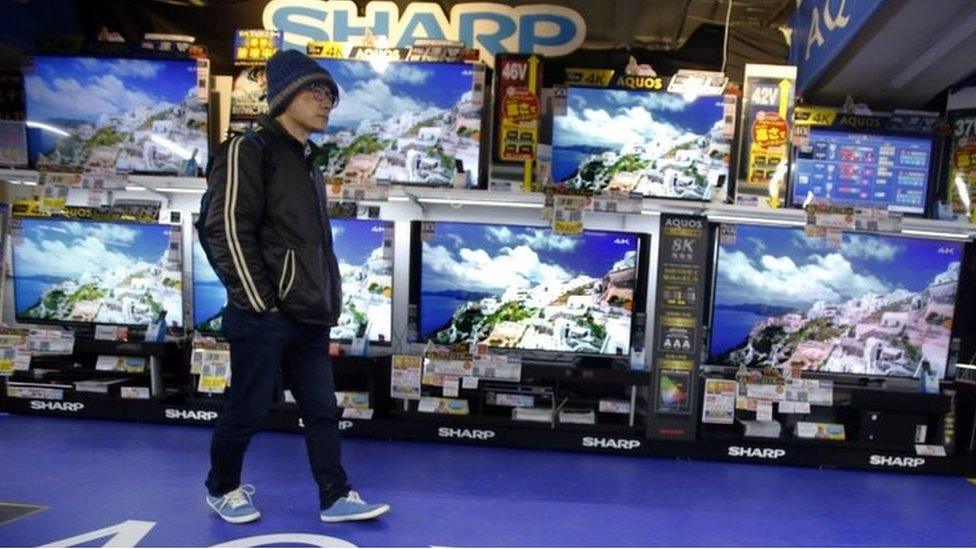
[
  {"x": 654, "y": 24},
  {"x": 905, "y": 56}
]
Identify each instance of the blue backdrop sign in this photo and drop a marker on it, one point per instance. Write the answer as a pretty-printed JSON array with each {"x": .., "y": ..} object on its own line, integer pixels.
[
  {"x": 822, "y": 29},
  {"x": 491, "y": 27}
]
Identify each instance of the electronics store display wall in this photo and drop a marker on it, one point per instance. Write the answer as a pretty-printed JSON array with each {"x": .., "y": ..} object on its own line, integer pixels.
[{"x": 684, "y": 313}]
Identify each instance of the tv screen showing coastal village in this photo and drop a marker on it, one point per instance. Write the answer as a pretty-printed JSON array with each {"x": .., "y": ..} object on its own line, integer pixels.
[
  {"x": 97, "y": 272},
  {"x": 405, "y": 122},
  {"x": 652, "y": 143},
  {"x": 108, "y": 115},
  {"x": 527, "y": 288},
  {"x": 874, "y": 306},
  {"x": 364, "y": 249}
]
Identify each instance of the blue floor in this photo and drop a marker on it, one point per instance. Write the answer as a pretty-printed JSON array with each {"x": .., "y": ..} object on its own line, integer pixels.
[{"x": 92, "y": 475}]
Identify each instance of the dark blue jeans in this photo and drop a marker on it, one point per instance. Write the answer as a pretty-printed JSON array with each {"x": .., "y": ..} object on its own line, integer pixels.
[{"x": 258, "y": 345}]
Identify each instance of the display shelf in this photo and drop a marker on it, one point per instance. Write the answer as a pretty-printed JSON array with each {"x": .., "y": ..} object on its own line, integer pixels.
[
  {"x": 595, "y": 375},
  {"x": 160, "y": 183},
  {"x": 458, "y": 198},
  {"x": 896, "y": 401},
  {"x": 792, "y": 440},
  {"x": 124, "y": 348},
  {"x": 84, "y": 405},
  {"x": 470, "y": 430},
  {"x": 505, "y": 422},
  {"x": 359, "y": 366},
  {"x": 85, "y": 370}
]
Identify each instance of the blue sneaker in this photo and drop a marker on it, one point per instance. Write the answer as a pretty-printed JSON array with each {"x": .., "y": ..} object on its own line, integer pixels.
[
  {"x": 235, "y": 506},
  {"x": 352, "y": 507}
]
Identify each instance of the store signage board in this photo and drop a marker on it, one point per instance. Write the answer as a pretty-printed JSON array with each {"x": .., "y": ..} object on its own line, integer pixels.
[
  {"x": 677, "y": 327},
  {"x": 822, "y": 30},
  {"x": 764, "y": 131},
  {"x": 962, "y": 163},
  {"x": 253, "y": 47},
  {"x": 490, "y": 27},
  {"x": 518, "y": 108}
]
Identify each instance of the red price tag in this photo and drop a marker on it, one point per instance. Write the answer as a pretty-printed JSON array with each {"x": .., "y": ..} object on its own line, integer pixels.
[
  {"x": 964, "y": 157},
  {"x": 769, "y": 130},
  {"x": 521, "y": 106}
]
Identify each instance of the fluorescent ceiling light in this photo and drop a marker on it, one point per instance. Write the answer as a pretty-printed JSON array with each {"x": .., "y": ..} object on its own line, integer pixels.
[
  {"x": 754, "y": 220},
  {"x": 172, "y": 146},
  {"x": 938, "y": 234},
  {"x": 135, "y": 188},
  {"x": 463, "y": 202},
  {"x": 47, "y": 128},
  {"x": 180, "y": 191}
]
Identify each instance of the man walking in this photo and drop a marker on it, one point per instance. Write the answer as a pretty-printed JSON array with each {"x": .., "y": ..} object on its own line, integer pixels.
[{"x": 266, "y": 232}]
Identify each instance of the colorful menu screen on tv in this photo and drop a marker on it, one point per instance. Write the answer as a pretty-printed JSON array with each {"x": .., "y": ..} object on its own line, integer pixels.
[
  {"x": 527, "y": 288},
  {"x": 886, "y": 171},
  {"x": 874, "y": 306}
]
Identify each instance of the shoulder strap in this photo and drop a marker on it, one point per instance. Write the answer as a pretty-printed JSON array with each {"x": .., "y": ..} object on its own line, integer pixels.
[{"x": 262, "y": 143}]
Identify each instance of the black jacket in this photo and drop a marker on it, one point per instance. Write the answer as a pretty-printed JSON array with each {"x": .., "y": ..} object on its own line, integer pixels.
[{"x": 267, "y": 227}]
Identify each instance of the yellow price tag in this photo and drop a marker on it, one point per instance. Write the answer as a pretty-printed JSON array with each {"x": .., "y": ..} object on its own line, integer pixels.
[{"x": 212, "y": 384}]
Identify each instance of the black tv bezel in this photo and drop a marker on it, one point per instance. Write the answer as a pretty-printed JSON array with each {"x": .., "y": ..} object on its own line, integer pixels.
[
  {"x": 930, "y": 178},
  {"x": 640, "y": 294},
  {"x": 483, "y": 143},
  {"x": 204, "y": 157},
  {"x": 80, "y": 323},
  {"x": 733, "y": 143},
  {"x": 388, "y": 225},
  {"x": 967, "y": 258}
]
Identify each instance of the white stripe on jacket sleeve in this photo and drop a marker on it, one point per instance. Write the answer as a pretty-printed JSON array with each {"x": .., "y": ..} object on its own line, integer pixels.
[{"x": 230, "y": 227}]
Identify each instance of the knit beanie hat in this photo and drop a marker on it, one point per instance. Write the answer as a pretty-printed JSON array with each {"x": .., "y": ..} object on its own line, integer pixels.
[{"x": 288, "y": 72}]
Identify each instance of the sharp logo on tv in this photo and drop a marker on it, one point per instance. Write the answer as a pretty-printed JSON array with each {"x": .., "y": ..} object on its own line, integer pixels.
[
  {"x": 895, "y": 461},
  {"x": 491, "y": 27},
  {"x": 877, "y": 305},
  {"x": 614, "y": 443},
  {"x": 547, "y": 292},
  {"x": 343, "y": 425},
  {"x": 472, "y": 434},
  {"x": 193, "y": 415},
  {"x": 762, "y": 453},
  {"x": 49, "y": 406}
]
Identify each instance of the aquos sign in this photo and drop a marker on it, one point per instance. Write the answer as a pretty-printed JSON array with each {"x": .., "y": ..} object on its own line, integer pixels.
[{"x": 491, "y": 27}]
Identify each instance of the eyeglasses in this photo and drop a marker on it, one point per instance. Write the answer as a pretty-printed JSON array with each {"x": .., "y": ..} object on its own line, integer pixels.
[{"x": 323, "y": 94}]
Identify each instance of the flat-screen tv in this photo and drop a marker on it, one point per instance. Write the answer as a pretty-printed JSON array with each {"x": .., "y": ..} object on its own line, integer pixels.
[
  {"x": 209, "y": 295},
  {"x": 656, "y": 144},
  {"x": 97, "y": 272},
  {"x": 113, "y": 114},
  {"x": 868, "y": 170},
  {"x": 410, "y": 123},
  {"x": 877, "y": 305},
  {"x": 518, "y": 287},
  {"x": 364, "y": 248}
]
